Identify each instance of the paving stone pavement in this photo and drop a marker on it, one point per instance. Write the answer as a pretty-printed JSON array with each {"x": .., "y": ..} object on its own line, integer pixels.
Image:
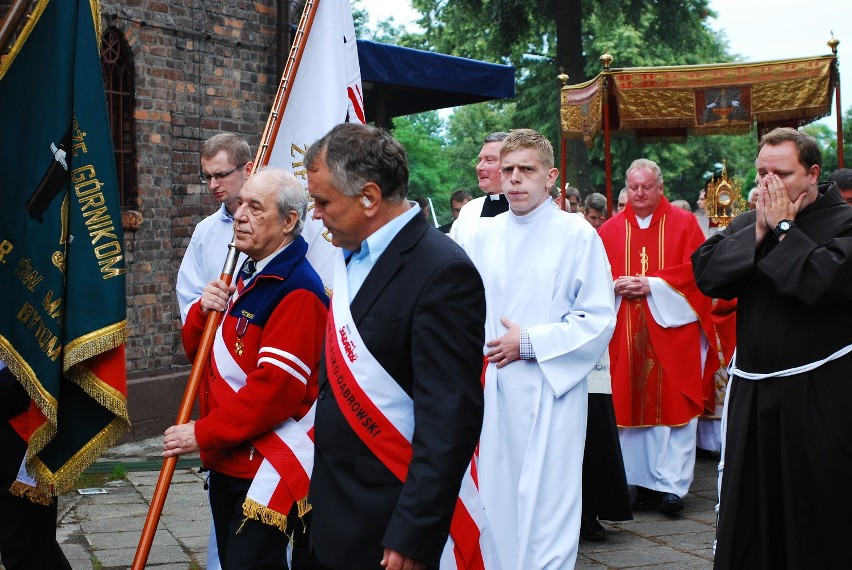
[{"x": 101, "y": 532}]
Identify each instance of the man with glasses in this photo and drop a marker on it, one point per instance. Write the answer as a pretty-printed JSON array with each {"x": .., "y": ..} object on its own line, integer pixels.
[
  {"x": 225, "y": 166},
  {"x": 572, "y": 199}
]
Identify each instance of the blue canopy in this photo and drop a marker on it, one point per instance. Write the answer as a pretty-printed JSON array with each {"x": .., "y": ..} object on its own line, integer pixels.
[{"x": 400, "y": 81}]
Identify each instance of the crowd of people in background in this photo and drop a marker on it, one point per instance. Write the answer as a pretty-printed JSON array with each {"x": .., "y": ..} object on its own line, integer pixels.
[{"x": 494, "y": 393}]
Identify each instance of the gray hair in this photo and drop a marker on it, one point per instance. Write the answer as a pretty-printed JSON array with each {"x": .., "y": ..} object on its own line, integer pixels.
[
  {"x": 646, "y": 163},
  {"x": 596, "y": 201},
  {"x": 497, "y": 136},
  {"x": 682, "y": 204},
  {"x": 751, "y": 194},
  {"x": 358, "y": 154},
  {"x": 292, "y": 196}
]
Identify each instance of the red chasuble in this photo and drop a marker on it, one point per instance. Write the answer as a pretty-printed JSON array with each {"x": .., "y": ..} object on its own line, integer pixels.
[{"x": 657, "y": 377}]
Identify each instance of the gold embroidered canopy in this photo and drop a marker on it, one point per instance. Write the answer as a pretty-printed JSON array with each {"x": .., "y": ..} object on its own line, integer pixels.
[
  {"x": 685, "y": 100},
  {"x": 721, "y": 98}
]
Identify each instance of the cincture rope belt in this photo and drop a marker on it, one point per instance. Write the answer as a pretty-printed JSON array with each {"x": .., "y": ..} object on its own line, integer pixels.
[{"x": 732, "y": 368}]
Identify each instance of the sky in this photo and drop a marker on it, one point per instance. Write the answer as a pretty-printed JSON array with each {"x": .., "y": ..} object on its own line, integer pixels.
[{"x": 758, "y": 30}]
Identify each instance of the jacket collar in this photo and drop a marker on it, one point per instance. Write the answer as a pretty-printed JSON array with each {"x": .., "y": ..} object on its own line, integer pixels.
[{"x": 388, "y": 265}]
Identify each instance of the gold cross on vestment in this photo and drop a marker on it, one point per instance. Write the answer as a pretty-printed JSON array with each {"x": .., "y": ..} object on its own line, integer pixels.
[{"x": 643, "y": 260}]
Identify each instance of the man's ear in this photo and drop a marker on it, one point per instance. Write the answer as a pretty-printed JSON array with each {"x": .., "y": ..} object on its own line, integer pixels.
[
  {"x": 290, "y": 221},
  {"x": 371, "y": 197},
  {"x": 813, "y": 173},
  {"x": 552, "y": 175}
]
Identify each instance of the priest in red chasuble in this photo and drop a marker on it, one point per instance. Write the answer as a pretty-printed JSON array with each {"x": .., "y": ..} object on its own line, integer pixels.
[{"x": 662, "y": 371}]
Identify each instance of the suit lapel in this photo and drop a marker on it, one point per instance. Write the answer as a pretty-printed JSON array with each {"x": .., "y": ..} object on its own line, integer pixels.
[{"x": 387, "y": 266}]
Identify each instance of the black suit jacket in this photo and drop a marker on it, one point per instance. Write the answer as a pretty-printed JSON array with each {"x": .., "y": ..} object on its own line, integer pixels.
[{"x": 421, "y": 313}]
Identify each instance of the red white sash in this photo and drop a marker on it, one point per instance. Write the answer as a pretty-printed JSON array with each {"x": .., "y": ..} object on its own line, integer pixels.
[
  {"x": 288, "y": 451},
  {"x": 382, "y": 415}
]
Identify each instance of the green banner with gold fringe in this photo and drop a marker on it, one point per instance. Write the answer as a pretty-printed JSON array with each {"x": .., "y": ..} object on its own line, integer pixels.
[{"x": 63, "y": 318}]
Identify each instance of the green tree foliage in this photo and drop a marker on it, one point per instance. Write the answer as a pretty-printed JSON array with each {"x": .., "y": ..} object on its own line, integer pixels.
[
  {"x": 539, "y": 37},
  {"x": 428, "y": 165}
]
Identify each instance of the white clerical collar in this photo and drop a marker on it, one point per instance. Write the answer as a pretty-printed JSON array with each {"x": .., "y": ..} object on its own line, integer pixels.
[
  {"x": 540, "y": 211},
  {"x": 494, "y": 197},
  {"x": 644, "y": 223}
]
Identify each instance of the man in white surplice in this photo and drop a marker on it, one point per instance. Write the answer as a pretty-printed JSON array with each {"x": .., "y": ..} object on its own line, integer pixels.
[{"x": 550, "y": 316}]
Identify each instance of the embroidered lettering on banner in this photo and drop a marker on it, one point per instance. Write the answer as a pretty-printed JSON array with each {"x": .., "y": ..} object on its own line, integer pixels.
[{"x": 348, "y": 345}]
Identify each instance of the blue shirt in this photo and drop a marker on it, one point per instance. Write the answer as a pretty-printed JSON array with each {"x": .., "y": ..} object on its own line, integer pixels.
[{"x": 372, "y": 248}]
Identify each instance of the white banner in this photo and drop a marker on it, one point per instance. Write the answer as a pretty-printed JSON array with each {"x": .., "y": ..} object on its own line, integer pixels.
[{"x": 326, "y": 91}]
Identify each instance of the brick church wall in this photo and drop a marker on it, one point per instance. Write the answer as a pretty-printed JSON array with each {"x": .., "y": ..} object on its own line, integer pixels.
[{"x": 201, "y": 67}]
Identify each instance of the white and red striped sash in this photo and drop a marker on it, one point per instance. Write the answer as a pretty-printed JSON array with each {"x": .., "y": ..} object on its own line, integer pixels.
[
  {"x": 382, "y": 415},
  {"x": 288, "y": 451}
]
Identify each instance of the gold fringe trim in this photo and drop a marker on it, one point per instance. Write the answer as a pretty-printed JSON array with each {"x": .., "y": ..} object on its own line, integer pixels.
[
  {"x": 65, "y": 478},
  {"x": 34, "y": 494},
  {"x": 254, "y": 510},
  {"x": 95, "y": 6},
  {"x": 303, "y": 507},
  {"x": 39, "y": 438},
  {"x": 27, "y": 377},
  {"x": 104, "y": 394},
  {"x": 94, "y": 343}
]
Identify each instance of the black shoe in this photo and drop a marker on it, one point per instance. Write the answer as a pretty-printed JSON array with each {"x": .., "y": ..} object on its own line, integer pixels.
[
  {"x": 671, "y": 504},
  {"x": 647, "y": 499},
  {"x": 591, "y": 529}
]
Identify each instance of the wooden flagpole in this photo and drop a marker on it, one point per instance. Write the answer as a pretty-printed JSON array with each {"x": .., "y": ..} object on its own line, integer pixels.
[
  {"x": 10, "y": 24},
  {"x": 270, "y": 132},
  {"x": 183, "y": 416}
]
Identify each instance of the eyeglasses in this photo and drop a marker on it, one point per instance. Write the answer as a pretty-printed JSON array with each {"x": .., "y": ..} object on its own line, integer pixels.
[{"x": 219, "y": 176}]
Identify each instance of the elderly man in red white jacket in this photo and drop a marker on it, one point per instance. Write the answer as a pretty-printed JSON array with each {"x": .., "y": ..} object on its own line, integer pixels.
[{"x": 261, "y": 381}]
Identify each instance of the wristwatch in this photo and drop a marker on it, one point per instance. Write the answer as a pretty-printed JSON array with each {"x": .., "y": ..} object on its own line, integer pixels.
[{"x": 783, "y": 227}]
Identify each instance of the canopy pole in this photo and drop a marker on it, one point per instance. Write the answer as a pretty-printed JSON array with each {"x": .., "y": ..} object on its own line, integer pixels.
[
  {"x": 606, "y": 59},
  {"x": 833, "y": 43},
  {"x": 563, "y": 142}
]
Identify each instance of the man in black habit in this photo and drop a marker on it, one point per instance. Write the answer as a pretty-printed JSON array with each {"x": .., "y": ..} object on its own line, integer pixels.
[{"x": 785, "y": 500}]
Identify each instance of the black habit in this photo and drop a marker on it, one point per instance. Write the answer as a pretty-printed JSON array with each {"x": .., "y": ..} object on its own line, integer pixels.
[{"x": 785, "y": 500}]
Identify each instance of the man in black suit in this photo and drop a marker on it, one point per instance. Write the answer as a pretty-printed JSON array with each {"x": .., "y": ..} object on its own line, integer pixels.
[{"x": 412, "y": 304}]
